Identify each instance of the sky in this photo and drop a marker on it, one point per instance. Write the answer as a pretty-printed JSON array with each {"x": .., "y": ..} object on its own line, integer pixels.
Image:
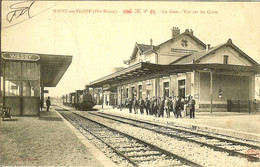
[{"x": 101, "y": 35}]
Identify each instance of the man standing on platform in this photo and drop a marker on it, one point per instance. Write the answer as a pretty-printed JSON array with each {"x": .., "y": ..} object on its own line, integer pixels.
[
  {"x": 48, "y": 103},
  {"x": 166, "y": 107},
  {"x": 155, "y": 107},
  {"x": 147, "y": 105},
  {"x": 178, "y": 107},
  {"x": 174, "y": 104},
  {"x": 141, "y": 106},
  {"x": 130, "y": 104},
  {"x": 151, "y": 106},
  {"x": 192, "y": 108},
  {"x": 135, "y": 105},
  {"x": 161, "y": 105}
]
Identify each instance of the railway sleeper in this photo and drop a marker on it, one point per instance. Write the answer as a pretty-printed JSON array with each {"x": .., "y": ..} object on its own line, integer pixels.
[
  {"x": 148, "y": 155},
  {"x": 151, "y": 159},
  {"x": 165, "y": 162},
  {"x": 134, "y": 149},
  {"x": 128, "y": 146}
]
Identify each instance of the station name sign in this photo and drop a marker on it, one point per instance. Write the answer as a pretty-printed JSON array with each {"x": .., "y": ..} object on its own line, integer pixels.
[
  {"x": 21, "y": 56},
  {"x": 182, "y": 50}
]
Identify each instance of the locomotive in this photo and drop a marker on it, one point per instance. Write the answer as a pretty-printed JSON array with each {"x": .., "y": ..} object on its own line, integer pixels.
[{"x": 80, "y": 99}]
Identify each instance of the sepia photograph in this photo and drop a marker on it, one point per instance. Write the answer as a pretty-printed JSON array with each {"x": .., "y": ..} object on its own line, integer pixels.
[{"x": 130, "y": 83}]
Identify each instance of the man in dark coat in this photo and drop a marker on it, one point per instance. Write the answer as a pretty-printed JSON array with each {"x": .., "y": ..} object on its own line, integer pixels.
[
  {"x": 141, "y": 106},
  {"x": 48, "y": 103},
  {"x": 192, "y": 107},
  {"x": 130, "y": 103},
  {"x": 167, "y": 106},
  {"x": 155, "y": 107},
  {"x": 161, "y": 107},
  {"x": 147, "y": 105},
  {"x": 178, "y": 107},
  {"x": 135, "y": 105},
  {"x": 151, "y": 106}
]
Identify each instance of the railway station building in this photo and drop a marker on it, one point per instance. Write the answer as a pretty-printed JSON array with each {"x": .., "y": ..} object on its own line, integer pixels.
[
  {"x": 24, "y": 76},
  {"x": 183, "y": 66}
]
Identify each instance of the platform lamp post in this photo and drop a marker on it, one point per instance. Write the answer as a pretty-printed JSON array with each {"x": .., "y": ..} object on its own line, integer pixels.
[
  {"x": 102, "y": 97},
  {"x": 211, "y": 83},
  {"x": 157, "y": 91},
  {"x": 220, "y": 93},
  {"x": 121, "y": 94},
  {"x": 93, "y": 93}
]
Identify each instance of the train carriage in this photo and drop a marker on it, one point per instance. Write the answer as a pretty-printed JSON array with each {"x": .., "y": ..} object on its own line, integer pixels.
[{"x": 80, "y": 99}]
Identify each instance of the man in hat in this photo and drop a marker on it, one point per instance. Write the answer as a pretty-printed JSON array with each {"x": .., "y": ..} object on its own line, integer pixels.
[{"x": 48, "y": 103}]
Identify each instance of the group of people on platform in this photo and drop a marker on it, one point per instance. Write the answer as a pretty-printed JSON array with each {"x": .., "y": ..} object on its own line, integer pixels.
[{"x": 163, "y": 106}]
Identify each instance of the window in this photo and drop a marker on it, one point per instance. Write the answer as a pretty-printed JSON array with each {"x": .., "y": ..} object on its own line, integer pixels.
[
  {"x": 140, "y": 91},
  {"x": 21, "y": 79},
  {"x": 225, "y": 60},
  {"x": 126, "y": 92},
  {"x": 166, "y": 89},
  {"x": 181, "y": 84},
  {"x": 133, "y": 92}
]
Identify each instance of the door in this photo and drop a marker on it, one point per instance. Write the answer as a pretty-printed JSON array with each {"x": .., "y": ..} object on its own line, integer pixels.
[
  {"x": 166, "y": 89},
  {"x": 181, "y": 84}
]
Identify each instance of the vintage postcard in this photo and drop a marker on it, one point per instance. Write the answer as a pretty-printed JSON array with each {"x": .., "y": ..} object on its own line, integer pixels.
[{"x": 130, "y": 83}]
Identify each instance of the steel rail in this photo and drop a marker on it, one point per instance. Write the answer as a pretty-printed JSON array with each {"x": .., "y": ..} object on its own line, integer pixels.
[
  {"x": 195, "y": 133},
  {"x": 231, "y": 152},
  {"x": 114, "y": 149},
  {"x": 170, "y": 154}
]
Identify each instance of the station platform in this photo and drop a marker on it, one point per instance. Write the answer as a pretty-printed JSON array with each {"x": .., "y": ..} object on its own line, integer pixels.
[
  {"x": 236, "y": 124},
  {"x": 48, "y": 140}
]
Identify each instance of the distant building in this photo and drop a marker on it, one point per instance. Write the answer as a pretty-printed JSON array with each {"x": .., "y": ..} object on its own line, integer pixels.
[{"x": 182, "y": 66}]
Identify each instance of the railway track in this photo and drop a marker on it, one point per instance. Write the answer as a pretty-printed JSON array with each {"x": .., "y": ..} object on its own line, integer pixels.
[
  {"x": 232, "y": 147},
  {"x": 134, "y": 150}
]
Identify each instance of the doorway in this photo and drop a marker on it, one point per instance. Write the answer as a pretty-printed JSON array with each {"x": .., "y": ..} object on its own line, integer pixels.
[
  {"x": 181, "y": 86},
  {"x": 166, "y": 89},
  {"x": 140, "y": 92}
]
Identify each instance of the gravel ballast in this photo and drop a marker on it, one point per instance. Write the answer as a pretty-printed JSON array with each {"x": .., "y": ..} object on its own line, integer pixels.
[{"x": 194, "y": 152}]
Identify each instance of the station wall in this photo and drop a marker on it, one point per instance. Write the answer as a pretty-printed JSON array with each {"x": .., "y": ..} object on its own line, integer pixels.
[
  {"x": 233, "y": 87},
  {"x": 234, "y": 57},
  {"x": 197, "y": 84}
]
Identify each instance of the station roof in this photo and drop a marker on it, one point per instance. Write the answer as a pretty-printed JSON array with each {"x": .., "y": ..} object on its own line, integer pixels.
[
  {"x": 142, "y": 70},
  {"x": 52, "y": 66},
  {"x": 195, "y": 57}
]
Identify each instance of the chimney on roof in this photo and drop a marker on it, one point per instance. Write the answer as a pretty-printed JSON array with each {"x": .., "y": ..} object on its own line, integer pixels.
[
  {"x": 86, "y": 88},
  {"x": 191, "y": 31},
  {"x": 207, "y": 47},
  {"x": 151, "y": 42},
  {"x": 175, "y": 31},
  {"x": 229, "y": 41}
]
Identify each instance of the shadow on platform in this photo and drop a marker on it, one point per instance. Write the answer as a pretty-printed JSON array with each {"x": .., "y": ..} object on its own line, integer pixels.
[
  {"x": 50, "y": 118},
  {"x": 7, "y": 119}
]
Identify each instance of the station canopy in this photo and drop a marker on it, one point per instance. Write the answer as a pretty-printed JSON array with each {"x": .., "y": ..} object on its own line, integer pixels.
[
  {"x": 52, "y": 67},
  {"x": 145, "y": 71}
]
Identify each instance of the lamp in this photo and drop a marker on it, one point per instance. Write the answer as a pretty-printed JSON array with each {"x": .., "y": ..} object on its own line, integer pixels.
[{"x": 220, "y": 93}]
